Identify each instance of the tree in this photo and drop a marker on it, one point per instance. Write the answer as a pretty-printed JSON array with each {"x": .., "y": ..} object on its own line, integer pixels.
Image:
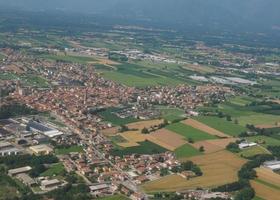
[
  {"x": 228, "y": 117},
  {"x": 190, "y": 140},
  {"x": 123, "y": 128},
  {"x": 145, "y": 130},
  {"x": 201, "y": 149}
]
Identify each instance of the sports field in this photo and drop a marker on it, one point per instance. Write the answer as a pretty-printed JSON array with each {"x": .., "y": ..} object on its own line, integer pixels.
[
  {"x": 190, "y": 132},
  {"x": 218, "y": 168},
  {"x": 222, "y": 125},
  {"x": 203, "y": 127}
]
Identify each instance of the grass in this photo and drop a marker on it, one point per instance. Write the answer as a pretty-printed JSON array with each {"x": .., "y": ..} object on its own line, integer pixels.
[
  {"x": 222, "y": 125},
  {"x": 109, "y": 116},
  {"x": 252, "y": 151},
  {"x": 171, "y": 114},
  {"x": 257, "y": 198},
  {"x": 241, "y": 101},
  {"x": 115, "y": 197},
  {"x": 186, "y": 151},
  {"x": 264, "y": 140},
  {"x": 68, "y": 58},
  {"x": 54, "y": 170},
  {"x": 190, "y": 132},
  {"x": 118, "y": 139},
  {"x": 145, "y": 147},
  {"x": 259, "y": 118},
  {"x": 63, "y": 151}
]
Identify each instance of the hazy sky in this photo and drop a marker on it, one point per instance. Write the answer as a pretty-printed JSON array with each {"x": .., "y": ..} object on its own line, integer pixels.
[{"x": 246, "y": 13}]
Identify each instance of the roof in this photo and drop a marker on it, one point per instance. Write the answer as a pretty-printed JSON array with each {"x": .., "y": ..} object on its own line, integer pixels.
[
  {"x": 49, "y": 182},
  {"x": 26, "y": 179},
  {"x": 98, "y": 187},
  {"x": 40, "y": 148},
  {"x": 53, "y": 133},
  {"x": 38, "y": 126},
  {"x": 20, "y": 170},
  {"x": 5, "y": 144}
]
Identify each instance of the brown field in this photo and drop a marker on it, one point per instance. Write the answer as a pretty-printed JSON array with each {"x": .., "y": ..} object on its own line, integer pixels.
[
  {"x": 268, "y": 175},
  {"x": 211, "y": 146},
  {"x": 110, "y": 131},
  {"x": 265, "y": 192},
  {"x": 199, "y": 68},
  {"x": 203, "y": 127},
  {"x": 144, "y": 124},
  {"x": 167, "y": 139},
  {"x": 218, "y": 168},
  {"x": 261, "y": 126}
]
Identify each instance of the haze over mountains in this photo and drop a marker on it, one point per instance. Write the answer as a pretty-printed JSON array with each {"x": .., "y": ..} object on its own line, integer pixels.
[{"x": 251, "y": 15}]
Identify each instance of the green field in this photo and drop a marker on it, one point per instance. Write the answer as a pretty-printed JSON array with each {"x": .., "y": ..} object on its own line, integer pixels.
[
  {"x": 146, "y": 147},
  {"x": 108, "y": 116},
  {"x": 241, "y": 101},
  {"x": 189, "y": 132},
  {"x": 115, "y": 197},
  {"x": 259, "y": 118},
  {"x": 136, "y": 75},
  {"x": 54, "y": 170},
  {"x": 68, "y": 58},
  {"x": 252, "y": 151},
  {"x": 186, "y": 151},
  {"x": 26, "y": 80},
  {"x": 222, "y": 125},
  {"x": 267, "y": 141},
  {"x": 258, "y": 198},
  {"x": 171, "y": 114},
  {"x": 62, "y": 151}
]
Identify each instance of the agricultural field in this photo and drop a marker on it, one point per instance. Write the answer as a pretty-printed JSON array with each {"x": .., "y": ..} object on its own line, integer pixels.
[
  {"x": 63, "y": 151},
  {"x": 241, "y": 100},
  {"x": 109, "y": 116},
  {"x": 68, "y": 58},
  {"x": 190, "y": 132},
  {"x": 167, "y": 139},
  {"x": 252, "y": 151},
  {"x": 259, "y": 119},
  {"x": 144, "y": 124},
  {"x": 54, "y": 170},
  {"x": 145, "y": 147},
  {"x": 222, "y": 125},
  {"x": 211, "y": 146},
  {"x": 186, "y": 151},
  {"x": 218, "y": 168},
  {"x": 265, "y": 191},
  {"x": 203, "y": 127},
  {"x": 264, "y": 140},
  {"x": 171, "y": 114}
]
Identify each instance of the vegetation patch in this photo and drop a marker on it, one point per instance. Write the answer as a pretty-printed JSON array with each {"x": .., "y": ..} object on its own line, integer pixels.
[
  {"x": 186, "y": 151},
  {"x": 67, "y": 150}
]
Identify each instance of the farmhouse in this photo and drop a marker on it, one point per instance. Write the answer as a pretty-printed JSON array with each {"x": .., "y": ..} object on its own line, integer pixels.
[
  {"x": 50, "y": 184},
  {"x": 245, "y": 145}
]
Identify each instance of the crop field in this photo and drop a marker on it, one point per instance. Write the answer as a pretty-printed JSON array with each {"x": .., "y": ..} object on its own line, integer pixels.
[
  {"x": 241, "y": 101},
  {"x": 264, "y": 140},
  {"x": 167, "y": 139},
  {"x": 265, "y": 191},
  {"x": 218, "y": 169},
  {"x": 144, "y": 124},
  {"x": 268, "y": 175},
  {"x": 62, "y": 151},
  {"x": 211, "y": 146},
  {"x": 54, "y": 170},
  {"x": 252, "y": 151},
  {"x": 140, "y": 75},
  {"x": 203, "y": 127},
  {"x": 171, "y": 114},
  {"x": 222, "y": 125},
  {"x": 145, "y": 147},
  {"x": 109, "y": 116},
  {"x": 186, "y": 151},
  {"x": 68, "y": 58},
  {"x": 132, "y": 138},
  {"x": 110, "y": 131},
  {"x": 259, "y": 119},
  {"x": 190, "y": 132}
]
